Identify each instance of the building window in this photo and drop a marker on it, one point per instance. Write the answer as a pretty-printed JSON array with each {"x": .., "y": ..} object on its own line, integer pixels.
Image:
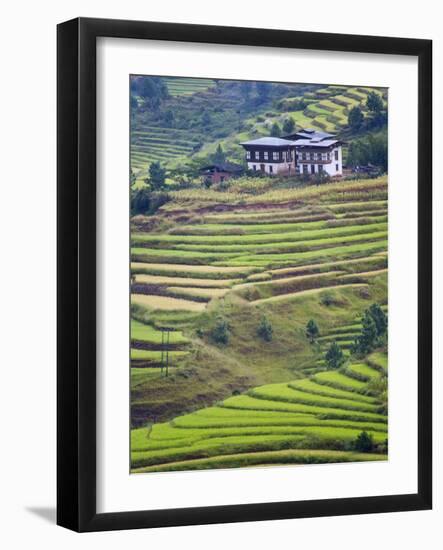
[
  {"x": 328, "y": 156},
  {"x": 305, "y": 168},
  {"x": 276, "y": 155},
  {"x": 336, "y": 167},
  {"x": 266, "y": 155},
  {"x": 312, "y": 168},
  {"x": 257, "y": 155},
  {"x": 336, "y": 154},
  {"x": 271, "y": 169},
  {"x": 254, "y": 167},
  {"x": 320, "y": 168},
  {"x": 248, "y": 154}
]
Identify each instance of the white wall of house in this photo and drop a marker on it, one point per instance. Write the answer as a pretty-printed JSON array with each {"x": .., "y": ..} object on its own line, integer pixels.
[
  {"x": 272, "y": 168},
  {"x": 334, "y": 168}
]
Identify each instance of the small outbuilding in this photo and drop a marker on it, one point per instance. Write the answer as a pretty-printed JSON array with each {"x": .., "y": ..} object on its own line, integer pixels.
[{"x": 217, "y": 173}]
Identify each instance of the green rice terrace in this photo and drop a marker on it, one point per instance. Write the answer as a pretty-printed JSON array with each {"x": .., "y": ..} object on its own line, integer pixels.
[
  {"x": 223, "y": 286},
  {"x": 206, "y": 113}
]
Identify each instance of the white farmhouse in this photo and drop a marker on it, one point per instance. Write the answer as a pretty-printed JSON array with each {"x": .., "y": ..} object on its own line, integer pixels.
[{"x": 306, "y": 152}]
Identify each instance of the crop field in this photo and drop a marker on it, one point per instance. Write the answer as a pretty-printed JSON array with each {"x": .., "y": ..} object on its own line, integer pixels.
[
  {"x": 186, "y": 86},
  {"x": 314, "y": 252},
  {"x": 193, "y": 265},
  {"x": 309, "y": 420}
]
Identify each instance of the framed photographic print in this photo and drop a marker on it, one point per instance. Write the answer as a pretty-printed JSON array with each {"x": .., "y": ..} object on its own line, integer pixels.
[{"x": 244, "y": 274}]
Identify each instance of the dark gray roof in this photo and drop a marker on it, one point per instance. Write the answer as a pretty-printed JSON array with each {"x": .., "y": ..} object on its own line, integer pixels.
[
  {"x": 223, "y": 167},
  {"x": 270, "y": 141},
  {"x": 311, "y": 134},
  {"x": 315, "y": 143}
]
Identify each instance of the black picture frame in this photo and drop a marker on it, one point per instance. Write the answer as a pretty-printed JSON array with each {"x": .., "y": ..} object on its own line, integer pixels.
[{"x": 77, "y": 248}]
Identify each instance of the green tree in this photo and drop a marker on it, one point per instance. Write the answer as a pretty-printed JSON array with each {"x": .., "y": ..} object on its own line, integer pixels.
[
  {"x": 265, "y": 330},
  {"x": 312, "y": 331},
  {"x": 157, "y": 176},
  {"x": 380, "y": 319},
  {"x": 219, "y": 157},
  {"x": 355, "y": 118},
  {"x": 220, "y": 332},
  {"x": 364, "y": 442},
  {"x": 140, "y": 201},
  {"x": 366, "y": 341},
  {"x": 374, "y": 102},
  {"x": 372, "y": 149},
  {"x": 275, "y": 130},
  {"x": 288, "y": 125},
  {"x": 334, "y": 356}
]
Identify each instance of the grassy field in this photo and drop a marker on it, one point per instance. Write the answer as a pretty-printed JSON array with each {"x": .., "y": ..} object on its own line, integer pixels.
[{"x": 290, "y": 255}]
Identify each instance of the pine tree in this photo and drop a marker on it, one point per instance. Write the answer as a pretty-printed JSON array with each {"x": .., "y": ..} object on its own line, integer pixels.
[
  {"x": 380, "y": 319},
  {"x": 366, "y": 342},
  {"x": 312, "y": 330},
  {"x": 374, "y": 103},
  {"x": 355, "y": 118},
  {"x": 219, "y": 157},
  {"x": 157, "y": 176},
  {"x": 334, "y": 356}
]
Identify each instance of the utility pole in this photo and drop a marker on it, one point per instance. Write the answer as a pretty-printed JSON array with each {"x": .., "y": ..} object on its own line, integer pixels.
[
  {"x": 163, "y": 346},
  {"x": 167, "y": 353}
]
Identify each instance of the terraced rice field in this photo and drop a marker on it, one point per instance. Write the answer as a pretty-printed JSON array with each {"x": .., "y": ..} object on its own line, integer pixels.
[
  {"x": 263, "y": 254},
  {"x": 187, "y": 86},
  {"x": 284, "y": 258},
  {"x": 306, "y": 421},
  {"x": 159, "y": 144},
  {"x": 328, "y": 108}
]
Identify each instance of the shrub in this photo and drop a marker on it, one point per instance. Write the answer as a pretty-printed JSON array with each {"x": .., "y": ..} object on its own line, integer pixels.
[
  {"x": 265, "y": 330},
  {"x": 327, "y": 299},
  {"x": 321, "y": 177},
  {"x": 157, "y": 201},
  {"x": 140, "y": 201},
  {"x": 364, "y": 442},
  {"x": 220, "y": 332}
]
